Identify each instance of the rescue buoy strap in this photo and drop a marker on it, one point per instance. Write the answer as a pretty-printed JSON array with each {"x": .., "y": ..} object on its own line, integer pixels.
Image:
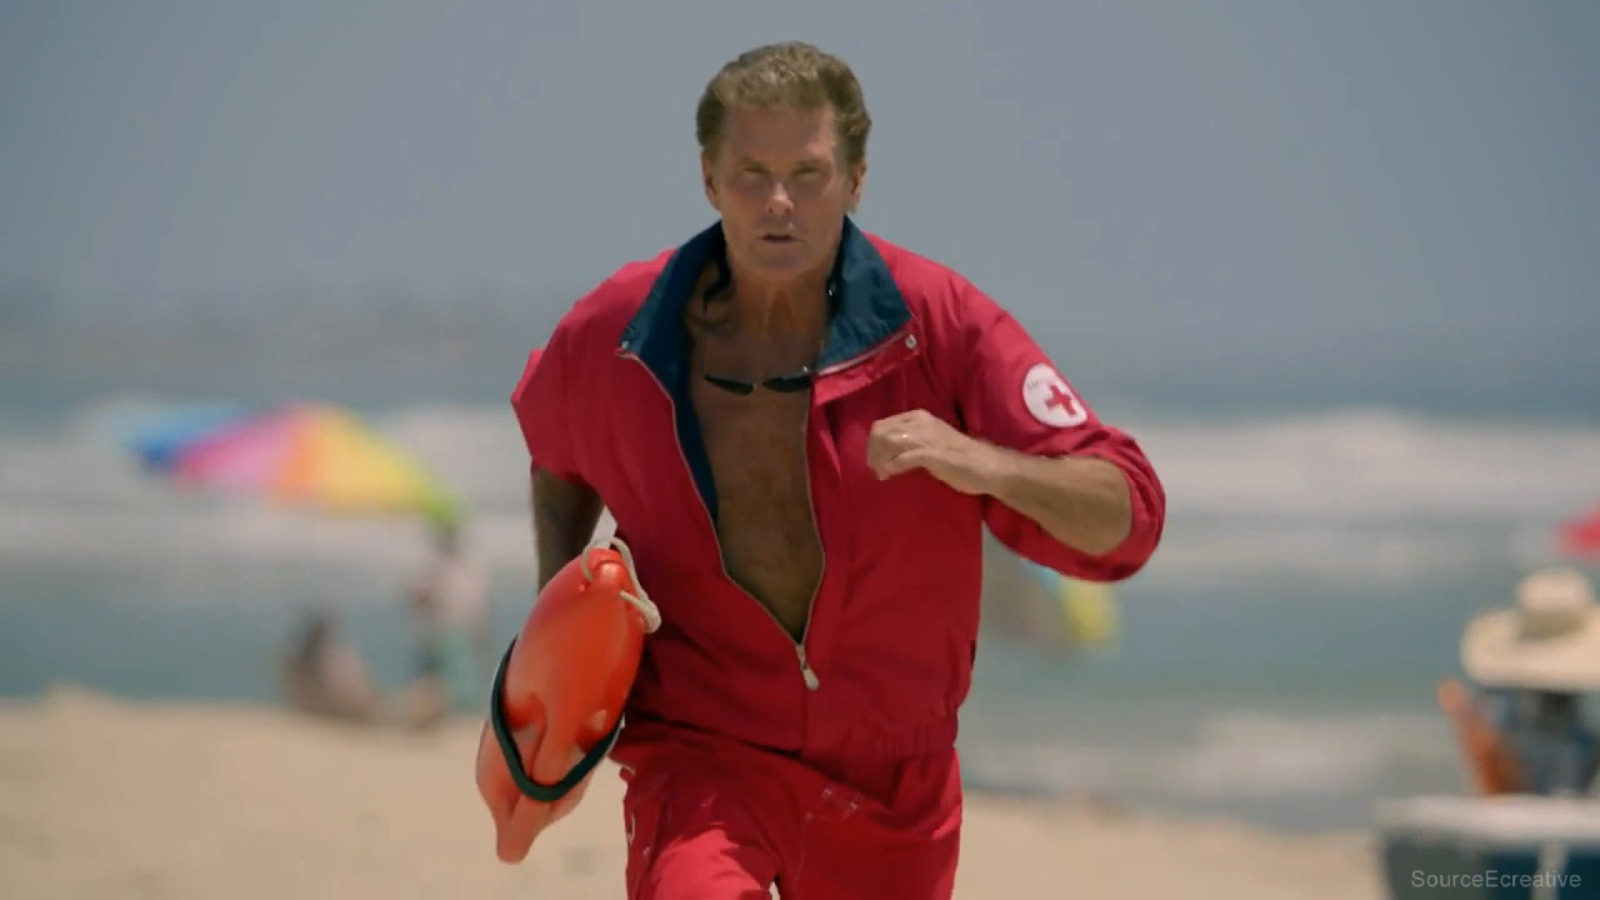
[{"x": 544, "y": 793}]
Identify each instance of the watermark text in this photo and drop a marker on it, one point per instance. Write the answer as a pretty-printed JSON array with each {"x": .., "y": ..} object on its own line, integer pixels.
[{"x": 1491, "y": 879}]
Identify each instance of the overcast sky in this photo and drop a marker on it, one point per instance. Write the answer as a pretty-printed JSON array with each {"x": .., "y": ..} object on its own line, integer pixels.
[{"x": 1273, "y": 170}]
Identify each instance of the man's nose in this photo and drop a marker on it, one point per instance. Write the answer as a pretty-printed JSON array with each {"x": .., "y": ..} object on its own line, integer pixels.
[{"x": 778, "y": 200}]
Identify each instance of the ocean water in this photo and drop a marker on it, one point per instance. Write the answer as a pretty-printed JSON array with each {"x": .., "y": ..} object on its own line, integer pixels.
[
  {"x": 1276, "y": 660},
  {"x": 1330, "y": 530}
]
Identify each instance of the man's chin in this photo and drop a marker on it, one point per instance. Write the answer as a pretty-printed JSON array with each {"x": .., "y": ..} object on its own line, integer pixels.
[{"x": 780, "y": 260}]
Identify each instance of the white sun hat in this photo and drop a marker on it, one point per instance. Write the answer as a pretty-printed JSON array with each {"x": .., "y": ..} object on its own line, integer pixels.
[{"x": 1549, "y": 641}]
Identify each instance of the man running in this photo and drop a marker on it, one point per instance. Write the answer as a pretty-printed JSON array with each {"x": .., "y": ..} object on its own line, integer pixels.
[{"x": 801, "y": 430}]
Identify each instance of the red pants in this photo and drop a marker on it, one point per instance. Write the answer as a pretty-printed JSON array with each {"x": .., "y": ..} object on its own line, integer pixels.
[{"x": 709, "y": 819}]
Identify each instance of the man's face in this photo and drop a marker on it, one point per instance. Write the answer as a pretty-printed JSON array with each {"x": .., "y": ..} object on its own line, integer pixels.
[{"x": 782, "y": 191}]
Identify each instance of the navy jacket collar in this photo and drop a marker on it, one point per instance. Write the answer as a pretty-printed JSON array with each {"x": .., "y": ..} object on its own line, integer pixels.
[{"x": 868, "y": 305}]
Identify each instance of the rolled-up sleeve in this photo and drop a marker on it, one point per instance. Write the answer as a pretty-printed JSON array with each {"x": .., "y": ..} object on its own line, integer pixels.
[
  {"x": 1012, "y": 395},
  {"x": 541, "y": 403}
]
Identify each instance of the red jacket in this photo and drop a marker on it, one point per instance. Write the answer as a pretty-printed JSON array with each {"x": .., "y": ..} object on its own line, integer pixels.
[{"x": 887, "y": 656}]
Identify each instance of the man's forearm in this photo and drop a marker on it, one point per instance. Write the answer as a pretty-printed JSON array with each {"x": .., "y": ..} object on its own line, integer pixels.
[
  {"x": 564, "y": 518},
  {"x": 1080, "y": 501}
]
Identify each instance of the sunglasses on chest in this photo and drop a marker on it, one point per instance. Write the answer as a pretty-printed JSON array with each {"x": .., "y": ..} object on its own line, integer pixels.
[
  {"x": 792, "y": 383},
  {"x": 783, "y": 384}
]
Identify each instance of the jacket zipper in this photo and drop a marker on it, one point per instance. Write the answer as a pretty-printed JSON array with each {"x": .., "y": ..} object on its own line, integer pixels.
[
  {"x": 807, "y": 674},
  {"x": 816, "y": 516}
]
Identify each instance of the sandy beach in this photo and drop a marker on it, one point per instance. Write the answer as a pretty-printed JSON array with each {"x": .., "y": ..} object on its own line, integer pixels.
[{"x": 105, "y": 798}]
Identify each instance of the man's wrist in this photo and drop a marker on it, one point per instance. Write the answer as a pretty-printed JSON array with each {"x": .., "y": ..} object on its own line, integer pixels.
[{"x": 1005, "y": 472}]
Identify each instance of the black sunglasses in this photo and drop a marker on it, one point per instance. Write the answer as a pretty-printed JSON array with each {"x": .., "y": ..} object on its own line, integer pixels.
[{"x": 783, "y": 384}]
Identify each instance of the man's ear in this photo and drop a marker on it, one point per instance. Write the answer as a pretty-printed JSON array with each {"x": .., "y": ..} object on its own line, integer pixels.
[
  {"x": 708, "y": 183},
  {"x": 858, "y": 183}
]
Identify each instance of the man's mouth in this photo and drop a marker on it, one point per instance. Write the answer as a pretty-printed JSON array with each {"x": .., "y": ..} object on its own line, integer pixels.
[{"x": 778, "y": 238}]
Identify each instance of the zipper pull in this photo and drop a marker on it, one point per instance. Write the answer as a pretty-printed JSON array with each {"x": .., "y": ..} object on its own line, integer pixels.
[{"x": 805, "y": 668}]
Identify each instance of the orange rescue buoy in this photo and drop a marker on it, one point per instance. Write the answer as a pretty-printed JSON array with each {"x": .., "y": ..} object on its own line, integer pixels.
[{"x": 555, "y": 709}]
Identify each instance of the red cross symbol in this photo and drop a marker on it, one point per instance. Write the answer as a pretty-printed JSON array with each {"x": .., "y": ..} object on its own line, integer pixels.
[
  {"x": 1060, "y": 398},
  {"x": 1050, "y": 399}
]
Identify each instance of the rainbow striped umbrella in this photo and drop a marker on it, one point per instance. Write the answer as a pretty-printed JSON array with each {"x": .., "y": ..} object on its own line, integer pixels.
[{"x": 305, "y": 455}]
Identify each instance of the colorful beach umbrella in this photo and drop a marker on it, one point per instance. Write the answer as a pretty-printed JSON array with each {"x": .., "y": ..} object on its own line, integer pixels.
[
  {"x": 156, "y": 439},
  {"x": 1029, "y": 605},
  {"x": 307, "y": 455},
  {"x": 1088, "y": 609}
]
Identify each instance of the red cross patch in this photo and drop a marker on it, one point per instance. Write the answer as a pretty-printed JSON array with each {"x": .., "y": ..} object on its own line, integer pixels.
[{"x": 1050, "y": 399}]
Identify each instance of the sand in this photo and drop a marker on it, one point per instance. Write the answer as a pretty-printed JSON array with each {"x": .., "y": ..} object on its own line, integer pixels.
[{"x": 105, "y": 798}]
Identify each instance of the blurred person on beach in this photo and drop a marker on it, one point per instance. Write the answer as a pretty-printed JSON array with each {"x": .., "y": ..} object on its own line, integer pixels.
[
  {"x": 801, "y": 430},
  {"x": 324, "y": 675},
  {"x": 1523, "y": 727},
  {"x": 449, "y": 612}
]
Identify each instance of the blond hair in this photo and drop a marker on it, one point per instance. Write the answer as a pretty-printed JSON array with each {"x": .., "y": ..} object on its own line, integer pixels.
[{"x": 792, "y": 75}]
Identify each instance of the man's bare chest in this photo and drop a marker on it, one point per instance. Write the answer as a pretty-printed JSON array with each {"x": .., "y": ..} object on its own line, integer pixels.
[{"x": 756, "y": 447}]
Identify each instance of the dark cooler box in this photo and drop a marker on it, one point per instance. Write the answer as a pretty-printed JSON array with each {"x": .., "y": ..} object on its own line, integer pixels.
[{"x": 1478, "y": 848}]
